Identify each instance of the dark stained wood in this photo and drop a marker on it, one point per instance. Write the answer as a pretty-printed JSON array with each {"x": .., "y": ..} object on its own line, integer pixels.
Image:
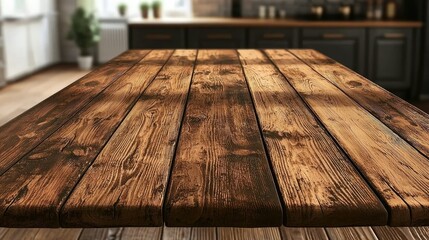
[
  {"x": 248, "y": 233},
  {"x": 356, "y": 233},
  {"x": 407, "y": 121},
  {"x": 389, "y": 233},
  {"x": 396, "y": 170},
  {"x": 34, "y": 189},
  {"x": 28, "y": 130},
  {"x": 125, "y": 186},
  {"x": 303, "y": 233},
  {"x": 221, "y": 175},
  {"x": 153, "y": 233},
  {"x": 319, "y": 186}
]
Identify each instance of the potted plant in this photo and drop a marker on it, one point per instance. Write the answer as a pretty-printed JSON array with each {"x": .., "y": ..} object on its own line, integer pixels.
[
  {"x": 144, "y": 8},
  {"x": 156, "y": 7},
  {"x": 122, "y": 8},
  {"x": 85, "y": 32}
]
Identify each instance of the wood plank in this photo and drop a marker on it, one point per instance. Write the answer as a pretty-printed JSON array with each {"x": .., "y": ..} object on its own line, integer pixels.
[
  {"x": 406, "y": 120},
  {"x": 203, "y": 234},
  {"x": 20, "y": 234},
  {"x": 420, "y": 233},
  {"x": 356, "y": 233},
  {"x": 125, "y": 186},
  {"x": 389, "y": 233},
  {"x": 303, "y": 233},
  {"x": 248, "y": 233},
  {"x": 221, "y": 175},
  {"x": 396, "y": 170},
  {"x": 176, "y": 233},
  {"x": 153, "y": 233},
  {"x": 319, "y": 185},
  {"x": 94, "y": 234},
  {"x": 34, "y": 189},
  {"x": 28, "y": 130},
  {"x": 63, "y": 234}
]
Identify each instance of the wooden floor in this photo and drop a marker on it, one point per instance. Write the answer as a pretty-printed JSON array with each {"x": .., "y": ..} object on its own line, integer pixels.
[{"x": 22, "y": 95}]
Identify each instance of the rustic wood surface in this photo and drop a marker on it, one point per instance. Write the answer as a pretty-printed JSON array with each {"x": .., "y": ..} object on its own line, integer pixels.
[
  {"x": 127, "y": 181},
  {"x": 28, "y": 130},
  {"x": 221, "y": 175},
  {"x": 406, "y": 120},
  {"x": 219, "y": 138},
  {"x": 396, "y": 170},
  {"x": 308, "y": 166},
  {"x": 38, "y": 195}
]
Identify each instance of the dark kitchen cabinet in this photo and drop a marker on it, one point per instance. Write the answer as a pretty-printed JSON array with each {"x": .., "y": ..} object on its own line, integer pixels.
[
  {"x": 156, "y": 38},
  {"x": 346, "y": 46},
  {"x": 273, "y": 38},
  {"x": 217, "y": 38},
  {"x": 390, "y": 57}
]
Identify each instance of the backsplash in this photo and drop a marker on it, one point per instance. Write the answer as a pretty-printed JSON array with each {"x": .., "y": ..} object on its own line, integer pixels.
[{"x": 249, "y": 8}]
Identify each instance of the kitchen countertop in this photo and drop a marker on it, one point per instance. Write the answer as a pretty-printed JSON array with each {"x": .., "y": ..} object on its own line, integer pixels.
[{"x": 254, "y": 22}]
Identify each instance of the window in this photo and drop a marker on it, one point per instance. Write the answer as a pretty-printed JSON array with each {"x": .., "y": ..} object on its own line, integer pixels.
[{"x": 170, "y": 8}]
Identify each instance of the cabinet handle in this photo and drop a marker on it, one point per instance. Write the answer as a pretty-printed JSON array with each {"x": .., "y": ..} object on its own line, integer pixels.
[
  {"x": 158, "y": 36},
  {"x": 394, "y": 35},
  {"x": 333, "y": 36},
  {"x": 274, "y": 36},
  {"x": 219, "y": 36}
]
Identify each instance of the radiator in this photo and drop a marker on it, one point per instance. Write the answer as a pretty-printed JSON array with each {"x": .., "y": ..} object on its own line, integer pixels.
[{"x": 114, "y": 40}]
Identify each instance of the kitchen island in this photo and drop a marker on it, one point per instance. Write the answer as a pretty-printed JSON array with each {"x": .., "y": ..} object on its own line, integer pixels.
[{"x": 217, "y": 138}]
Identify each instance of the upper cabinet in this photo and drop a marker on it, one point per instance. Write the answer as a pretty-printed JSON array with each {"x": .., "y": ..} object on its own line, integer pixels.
[
  {"x": 273, "y": 37},
  {"x": 217, "y": 38},
  {"x": 390, "y": 57},
  {"x": 344, "y": 45}
]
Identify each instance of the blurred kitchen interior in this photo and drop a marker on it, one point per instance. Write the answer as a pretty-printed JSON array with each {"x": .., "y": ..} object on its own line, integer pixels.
[{"x": 34, "y": 41}]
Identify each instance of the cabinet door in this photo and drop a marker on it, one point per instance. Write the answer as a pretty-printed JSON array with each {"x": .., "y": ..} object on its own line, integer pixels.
[
  {"x": 390, "y": 57},
  {"x": 217, "y": 38},
  {"x": 272, "y": 38},
  {"x": 16, "y": 49},
  {"x": 156, "y": 38},
  {"x": 346, "y": 46}
]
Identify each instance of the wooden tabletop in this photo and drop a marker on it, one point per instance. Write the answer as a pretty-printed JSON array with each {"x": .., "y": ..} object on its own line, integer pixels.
[
  {"x": 222, "y": 138},
  {"x": 255, "y": 22}
]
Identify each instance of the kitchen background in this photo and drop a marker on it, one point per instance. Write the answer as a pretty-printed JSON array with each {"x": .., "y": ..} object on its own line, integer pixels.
[{"x": 34, "y": 32}]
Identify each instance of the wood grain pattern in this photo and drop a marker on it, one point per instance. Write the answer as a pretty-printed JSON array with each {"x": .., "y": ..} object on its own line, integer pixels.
[
  {"x": 93, "y": 234},
  {"x": 125, "y": 185},
  {"x": 176, "y": 233},
  {"x": 203, "y": 233},
  {"x": 303, "y": 233},
  {"x": 319, "y": 186},
  {"x": 248, "y": 233},
  {"x": 221, "y": 175},
  {"x": 396, "y": 170},
  {"x": 34, "y": 189},
  {"x": 63, "y": 234},
  {"x": 28, "y": 130},
  {"x": 407, "y": 121},
  {"x": 420, "y": 233},
  {"x": 356, "y": 233},
  {"x": 153, "y": 233},
  {"x": 389, "y": 233},
  {"x": 20, "y": 234}
]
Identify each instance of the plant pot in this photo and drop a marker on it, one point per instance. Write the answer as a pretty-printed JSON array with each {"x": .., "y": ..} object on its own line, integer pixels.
[
  {"x": 157, "y": 12},
  {"x": 85, "y": 62},
  {"x": 122, "y": 12},
  {"x": 145, "y": 13}
]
